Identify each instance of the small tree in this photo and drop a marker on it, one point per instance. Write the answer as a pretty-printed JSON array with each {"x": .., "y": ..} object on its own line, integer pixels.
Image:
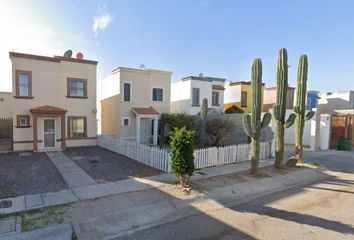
[
  {"x": 234, "y": 109},
  {"x": 182, "y": 158},
  {"x": 217, "y": 129},
  {"x": 170, "y": 122}
]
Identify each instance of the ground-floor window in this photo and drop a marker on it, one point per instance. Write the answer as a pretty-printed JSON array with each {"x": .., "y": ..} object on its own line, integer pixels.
[
  {"x": 77, "y": 127},
  {"x": 23, "y": 121},
  {"x": 126, "y": 121}
]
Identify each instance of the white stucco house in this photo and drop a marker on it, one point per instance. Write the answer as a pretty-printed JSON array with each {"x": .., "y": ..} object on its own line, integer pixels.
[
  {"x": 187, "y": 95},
  {"x": 132, "y": 101},
  {"x": 336, "y": 100}
]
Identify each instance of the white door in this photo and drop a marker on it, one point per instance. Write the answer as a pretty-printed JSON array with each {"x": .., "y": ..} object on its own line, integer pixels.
[
  {"x": 144, "y": 130},
  {"x": 49, "y": 133}
]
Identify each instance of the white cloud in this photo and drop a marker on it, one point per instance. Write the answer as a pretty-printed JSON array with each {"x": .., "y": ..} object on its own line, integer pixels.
[{"x": 101, "y": 22}]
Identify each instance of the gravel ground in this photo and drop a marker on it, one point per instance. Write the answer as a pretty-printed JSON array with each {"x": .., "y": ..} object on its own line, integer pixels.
[
  {"x": 107, "y": 166},
  {"x": 29, "y": 174}
]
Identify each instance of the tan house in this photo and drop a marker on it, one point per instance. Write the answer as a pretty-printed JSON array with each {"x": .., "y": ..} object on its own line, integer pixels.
[
  {"x": 270, "y": 96},
  {"x": 132, "y": 101},
  {"x": 54, "y": 102}
]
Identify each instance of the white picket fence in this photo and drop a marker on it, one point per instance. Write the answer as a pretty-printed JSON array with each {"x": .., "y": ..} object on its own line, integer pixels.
[{"x": 204, "y": 157}]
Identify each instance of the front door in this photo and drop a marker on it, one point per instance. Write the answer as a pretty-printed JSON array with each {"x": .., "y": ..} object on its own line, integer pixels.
[
  {"x": 144, "y": 130},
  {"x": 49, "y": 133}
]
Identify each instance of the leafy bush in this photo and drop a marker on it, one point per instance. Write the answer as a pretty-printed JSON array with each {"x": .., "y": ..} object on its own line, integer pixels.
[
  {"x": 234, "y": 109},
  {"x": 170, "y": 122},
  {"x": 218, "y": 129},
  {"x": 182, "y": 159}
]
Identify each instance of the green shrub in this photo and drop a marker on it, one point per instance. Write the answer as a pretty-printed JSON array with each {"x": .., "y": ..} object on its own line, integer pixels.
[
  {"x": 182, "y": 159},
  {"x": 234, "y": 109}
]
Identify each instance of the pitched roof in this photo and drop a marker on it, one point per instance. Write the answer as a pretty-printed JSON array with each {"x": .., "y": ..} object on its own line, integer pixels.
[
  {"x": 147, "y": 111},
  {"x": 48, "y": 110},
  {"x": 218, "y": 87}
]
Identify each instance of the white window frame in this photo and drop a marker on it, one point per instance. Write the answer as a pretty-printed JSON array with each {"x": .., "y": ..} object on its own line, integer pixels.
[
  {"x": 130, "y": 92},
  {"x": 125, "y": 118},
  {"x": 152, "y": 94},
  {"x": 198, "y": 104}
]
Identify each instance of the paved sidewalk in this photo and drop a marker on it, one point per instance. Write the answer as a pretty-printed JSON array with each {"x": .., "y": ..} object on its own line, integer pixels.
[
  {"x": 29, "y": 202},
  {"x": 73, "y": 175}
]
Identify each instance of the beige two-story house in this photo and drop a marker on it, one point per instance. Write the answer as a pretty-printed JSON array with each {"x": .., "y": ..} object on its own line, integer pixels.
[
  {"x": 132, "y": 101},
  {"x": 54, "y": 102}
]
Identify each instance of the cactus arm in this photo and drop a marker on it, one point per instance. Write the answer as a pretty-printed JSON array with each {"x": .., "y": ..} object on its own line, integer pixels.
[
  {"x": 290, "y": 121},
  {"x": 309, "y": 115},
  {"x": 276, "y": 111},
  {"x": 246, "y": 122},
  {"x": 266, "y": 120}
]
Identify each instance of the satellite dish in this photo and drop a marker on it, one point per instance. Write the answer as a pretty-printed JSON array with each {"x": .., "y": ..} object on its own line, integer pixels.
[
  {"x": 68, "y": 54},
  {"x": 80, "y": 56},
  {"x": 201, "y": 75}
]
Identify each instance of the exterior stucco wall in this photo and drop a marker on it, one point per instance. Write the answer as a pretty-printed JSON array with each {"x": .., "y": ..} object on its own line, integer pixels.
[
  {"x": 181, "y": 96},
  {"x": 340, "y": 100},
  {"x": 49, "y": 87},
  {"x": 142, "y": 82},
  {"x": 6, "y": 102}
]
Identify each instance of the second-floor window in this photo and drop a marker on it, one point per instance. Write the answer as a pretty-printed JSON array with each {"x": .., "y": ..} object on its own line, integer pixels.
[
  {"x": 215, "y": 98},
  {"x": 23, "y": 84},
  {"x": 77, "y": 88},
  {"x": 157, "y": 94},
  {"x": 195, "y": 97},
  {"x": 126, "y": 92},
  {"x": 243, "y": 99}
]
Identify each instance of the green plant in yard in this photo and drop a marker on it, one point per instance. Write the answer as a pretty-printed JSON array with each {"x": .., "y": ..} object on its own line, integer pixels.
[
  {"x": 170, "y": 122},
  {"x": 279, "y": 108},
  {"x": 203, "y": 121},
  {"x": 252, "y": 123},
  {"x": 300, "y": 105},
  {"x": 234, "y": 109},
  {"x": 182, "y": 158},
  {"x": 218, "y": 131}
]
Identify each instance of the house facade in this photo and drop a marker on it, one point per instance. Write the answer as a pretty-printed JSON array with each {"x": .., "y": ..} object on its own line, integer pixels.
[
  {"x": 54, "y": 102},
  {"x": 187, "y": 95},
  {"x": 6, "y": 101},
  {"x": 239, "y": 94},
  {"x": 336, "y": 100},
  {"x": 270, "y": 96},
  {"x": 132, "y": 101}
]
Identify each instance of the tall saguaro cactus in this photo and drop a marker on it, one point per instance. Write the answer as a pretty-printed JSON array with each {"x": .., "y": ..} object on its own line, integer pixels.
[
  {"x": 203, "y": 118},
  {"x": 252, "y": 123},
  {"x": 279, "y": 109},
  {"x": 300, "y": 104}
]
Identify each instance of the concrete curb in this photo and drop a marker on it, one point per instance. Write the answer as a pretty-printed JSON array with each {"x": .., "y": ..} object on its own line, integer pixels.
[
  {"x": 37, "y": 201},
  {"x": 127, "y": 221},
  {"x": 57, "y": 232}
]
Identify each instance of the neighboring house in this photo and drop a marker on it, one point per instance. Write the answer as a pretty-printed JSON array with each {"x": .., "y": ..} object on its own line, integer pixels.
[
  {"x": 54, "y": 102},
  {"x": 239, "y": 94},
  {"x": 270, "y": 96},
  {"x": 6, "y": 101},
  {"x": 187, "y": 95},
  {"x": 337, "y": 100},
  {"x": 132, "y": 101},
  {"x": 312, "y": 99}
]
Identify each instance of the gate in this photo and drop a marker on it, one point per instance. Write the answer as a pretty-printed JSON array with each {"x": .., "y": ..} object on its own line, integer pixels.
[
  {"x": 342, "y": 126},
  {"x": 6, "y": 127}
]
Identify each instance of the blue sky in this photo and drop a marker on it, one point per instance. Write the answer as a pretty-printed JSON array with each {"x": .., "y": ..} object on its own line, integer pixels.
[{"x": 217, "y": 38}]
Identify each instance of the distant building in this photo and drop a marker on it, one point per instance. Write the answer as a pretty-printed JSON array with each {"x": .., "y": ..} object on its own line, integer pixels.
[
  {"x": 270, "y": 96},
  {"x": 336, "y": 100},
  {"x": 187, "y": 95},
  {"x": 239, "y": 94}
]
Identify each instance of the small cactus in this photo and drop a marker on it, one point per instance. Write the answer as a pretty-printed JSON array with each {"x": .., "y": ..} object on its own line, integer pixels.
[
  {"x": 203, "y": 120},
  {"x": 300, "y": 104},
  {"x": 252, "y": 123},
  {"x": 279, "y": 109}
]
